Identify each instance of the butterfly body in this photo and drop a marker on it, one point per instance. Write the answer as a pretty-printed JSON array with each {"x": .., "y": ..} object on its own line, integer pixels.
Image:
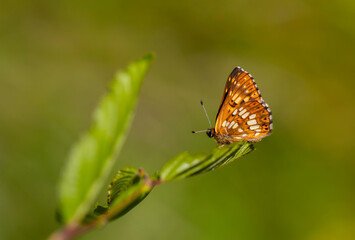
[{"x": 242, "y": 114}]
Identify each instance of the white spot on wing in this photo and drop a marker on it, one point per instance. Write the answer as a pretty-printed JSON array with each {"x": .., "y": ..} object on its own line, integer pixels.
[
  {"x": 254, "y": 127},
  {"x": 252, "y": 116},
  {"x": 235, "y": 96},
  {"x": 242, "y": 112},
  {"x": 224, "y": 123},
  {"x": 256, "y": 134},
  {"x": 235, "y": 112},
  {"x": 240, "y": 130},
  {"x": 252, "y": 122},
  {"x": 245, "y": 115},
  {"x": 235, "y": 125}
]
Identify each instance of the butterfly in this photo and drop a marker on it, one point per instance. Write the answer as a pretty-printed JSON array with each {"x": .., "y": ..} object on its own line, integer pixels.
[{"x": 242, "y": 114}]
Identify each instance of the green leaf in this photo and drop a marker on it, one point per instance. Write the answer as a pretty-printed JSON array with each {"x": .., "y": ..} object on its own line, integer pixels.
[
  {"x": 189, "y": 164},
  {"x": 123, "y": 179},
  {"x": 98, "y": 211},
  {"x": 128, "y": 188},
  {"x": 92, "y": 158}
]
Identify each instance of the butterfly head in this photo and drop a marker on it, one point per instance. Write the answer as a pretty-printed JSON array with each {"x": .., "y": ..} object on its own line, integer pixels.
[{"x": 210, "y": 132}]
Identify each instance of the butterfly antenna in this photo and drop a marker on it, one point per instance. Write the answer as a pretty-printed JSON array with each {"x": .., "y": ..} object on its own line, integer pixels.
[
  {"x": 203, "y": 106},
  {"x": 200, "y": 131},
  {"x": 207, "y": 119}
]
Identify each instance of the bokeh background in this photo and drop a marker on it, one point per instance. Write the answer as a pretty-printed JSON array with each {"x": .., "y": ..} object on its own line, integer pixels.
[{"x": 57, "y": 58}]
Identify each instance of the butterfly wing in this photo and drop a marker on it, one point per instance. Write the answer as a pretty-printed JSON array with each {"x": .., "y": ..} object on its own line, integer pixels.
[{"x": 243, "y": 114}]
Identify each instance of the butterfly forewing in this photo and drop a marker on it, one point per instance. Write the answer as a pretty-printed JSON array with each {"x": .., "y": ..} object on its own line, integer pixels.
[{"x": 242, "y": 114}]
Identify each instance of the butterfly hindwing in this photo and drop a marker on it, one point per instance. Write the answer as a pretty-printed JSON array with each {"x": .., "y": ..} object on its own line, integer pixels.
[{"x": 252, "y": 121}]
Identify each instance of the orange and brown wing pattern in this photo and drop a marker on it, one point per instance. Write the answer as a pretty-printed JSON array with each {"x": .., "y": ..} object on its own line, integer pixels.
[{"x": 243, "y": 114}]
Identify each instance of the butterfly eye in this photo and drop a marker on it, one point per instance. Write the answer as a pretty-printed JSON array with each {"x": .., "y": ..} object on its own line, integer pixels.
[{"x": 209, "y": 133}]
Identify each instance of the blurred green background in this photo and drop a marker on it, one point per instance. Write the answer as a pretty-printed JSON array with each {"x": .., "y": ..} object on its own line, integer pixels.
[{"x": 57, "y": 58}]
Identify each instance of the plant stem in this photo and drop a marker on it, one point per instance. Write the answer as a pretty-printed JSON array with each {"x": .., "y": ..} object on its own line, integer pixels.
[{"x": 72, "y": 230}]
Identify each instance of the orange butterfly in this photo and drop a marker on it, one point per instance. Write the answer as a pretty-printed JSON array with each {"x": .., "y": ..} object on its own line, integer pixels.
[{"x": 243, "y": 114}]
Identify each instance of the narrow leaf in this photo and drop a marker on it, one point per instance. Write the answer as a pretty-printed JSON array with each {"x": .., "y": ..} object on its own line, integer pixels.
[
  {"x": 128, "y": 188},
  {"x": 92, "y": 158},
  {"x": 189, "y": 164},
  {"x": 129, "y": 193},
  {"x": 123, "y": 179}
]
